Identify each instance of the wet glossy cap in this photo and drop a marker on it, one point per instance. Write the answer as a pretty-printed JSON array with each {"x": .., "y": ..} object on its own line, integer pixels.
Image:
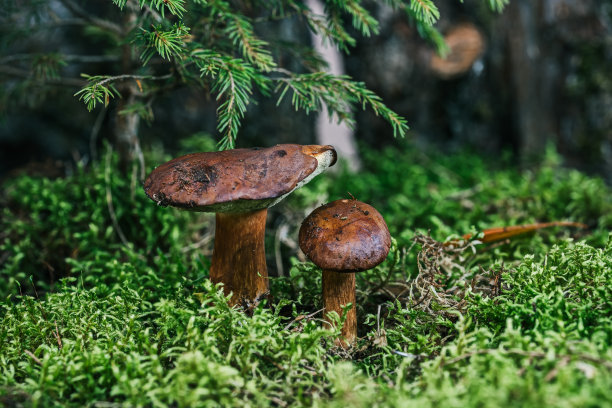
[
  {"x": 345, "y": 236},
  {"x": 237, "y": 180}
]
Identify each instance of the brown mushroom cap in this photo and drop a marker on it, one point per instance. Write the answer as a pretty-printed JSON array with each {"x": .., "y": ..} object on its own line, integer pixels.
[
  {"x": 345, "y": 236},
  {"x": 236, "y": 180}
]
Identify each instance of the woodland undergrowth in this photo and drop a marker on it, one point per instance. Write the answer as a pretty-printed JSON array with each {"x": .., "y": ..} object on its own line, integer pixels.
[{"x": 105, "y": 297}]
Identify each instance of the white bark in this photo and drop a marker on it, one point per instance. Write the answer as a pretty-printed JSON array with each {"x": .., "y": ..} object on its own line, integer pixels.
[{"x": 329, "y": 131}]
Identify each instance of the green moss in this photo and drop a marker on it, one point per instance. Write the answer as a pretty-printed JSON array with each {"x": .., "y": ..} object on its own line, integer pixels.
[{"x": 138, "y": 324}]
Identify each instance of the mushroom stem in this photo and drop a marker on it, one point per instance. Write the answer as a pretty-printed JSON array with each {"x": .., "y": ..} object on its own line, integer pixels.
[
  {"x": 339, "y": 290},
  {"x": 239, "y": 257}
]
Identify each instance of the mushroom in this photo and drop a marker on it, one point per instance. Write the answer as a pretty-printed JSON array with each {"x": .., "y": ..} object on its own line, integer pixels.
[
  {"x": 238, "y": 185},
  {"x": 343, "y": 237}
]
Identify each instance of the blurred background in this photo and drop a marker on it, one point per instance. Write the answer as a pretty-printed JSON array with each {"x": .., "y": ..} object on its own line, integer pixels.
[{"x": 537, "y": 75}]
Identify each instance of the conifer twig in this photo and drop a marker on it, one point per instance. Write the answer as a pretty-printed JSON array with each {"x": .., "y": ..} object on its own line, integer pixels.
[
  {"x": 22, "y": 73},
  {"x": 57, "y": 336},
  {"x": 134, "y": 77},
  {"x": 33, "y": 357},
  {"x": 98, "y": 92},
  {"x": 79, "y": 12},
  {"x": 302, "y": 317},
  {"x": 67, "y": 58}
]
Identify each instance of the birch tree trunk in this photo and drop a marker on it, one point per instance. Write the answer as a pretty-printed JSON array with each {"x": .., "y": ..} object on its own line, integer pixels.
[
  {"x": 328, "y": 131},
  {"x": 126, "y": 124}
]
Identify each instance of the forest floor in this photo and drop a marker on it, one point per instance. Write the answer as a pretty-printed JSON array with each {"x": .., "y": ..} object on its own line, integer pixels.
[{"x": 105, "y": 299}]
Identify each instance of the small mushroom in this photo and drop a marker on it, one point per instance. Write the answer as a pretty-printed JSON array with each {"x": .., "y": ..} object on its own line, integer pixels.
[
  {"x": 238, "y": 185},
  {"x": 343, "y": 237}
]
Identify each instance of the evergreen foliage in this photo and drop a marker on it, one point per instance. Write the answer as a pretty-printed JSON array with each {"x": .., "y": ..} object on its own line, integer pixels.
[{"x": 217, "y": 46}]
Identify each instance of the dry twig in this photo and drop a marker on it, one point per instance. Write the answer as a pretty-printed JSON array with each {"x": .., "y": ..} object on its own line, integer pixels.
[{"x": 33, "y": 357}]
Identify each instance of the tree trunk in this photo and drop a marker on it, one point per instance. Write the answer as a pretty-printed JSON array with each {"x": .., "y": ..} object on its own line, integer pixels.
[
  {"x": 126, "y": 124},
  {"x": 327, "y": 130},
  {"x": 534, "y": 78}
]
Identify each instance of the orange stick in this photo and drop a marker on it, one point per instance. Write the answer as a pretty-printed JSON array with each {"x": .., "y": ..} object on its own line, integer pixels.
[{"x": 500, "y": 233}]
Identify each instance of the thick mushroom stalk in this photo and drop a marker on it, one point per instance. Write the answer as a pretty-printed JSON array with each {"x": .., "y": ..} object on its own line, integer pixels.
[
  {"x": 344, "y": 237},
  {"x": 240, "y": 264},
  {"x": 239, "y": 185}
]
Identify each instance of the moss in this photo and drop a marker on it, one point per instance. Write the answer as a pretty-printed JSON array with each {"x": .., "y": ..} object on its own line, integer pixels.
[{"x": 527, "y": 323}]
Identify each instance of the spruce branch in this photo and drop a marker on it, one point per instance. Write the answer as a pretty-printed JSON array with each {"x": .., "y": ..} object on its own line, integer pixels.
[
  {"x": 497, "y": 5},
  {"x": 77, "y": 11},
  {"x": 232, "y": 80},
  {"x": 176, "y": 7},
  {"x": 423, "y": 14},
  {"x": 362, "y": 20},
  {"x": 101, "y": 89},
  {"x": 331, "y": 26},
  {"x": 143, "y": 110},
  {"x": 340, "y": 94},
  {"x": 236, "y": 60},
  {"x": 166, "y": 43},
  {"x": 27, "y": 75},
  {"x": 425, "y": 11},
  {"x": 335, "y": 30},
  {"x": 42, "y": 66},
  {"x": 97, "y": 92},
  {"x": 279, "y": 9},
  {"x": 240, "y": 31},
  {"x": 330, "y": 29},
  {"x": 47, "y": 66},
  {"x": 310, "y": 59},
  {"x": 434, "y": 36}
]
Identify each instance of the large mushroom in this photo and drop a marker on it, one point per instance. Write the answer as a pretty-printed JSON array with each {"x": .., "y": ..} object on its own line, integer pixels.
[
  {"x": 344, "y": 237},
  {"x": 238, "y": 185}
]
